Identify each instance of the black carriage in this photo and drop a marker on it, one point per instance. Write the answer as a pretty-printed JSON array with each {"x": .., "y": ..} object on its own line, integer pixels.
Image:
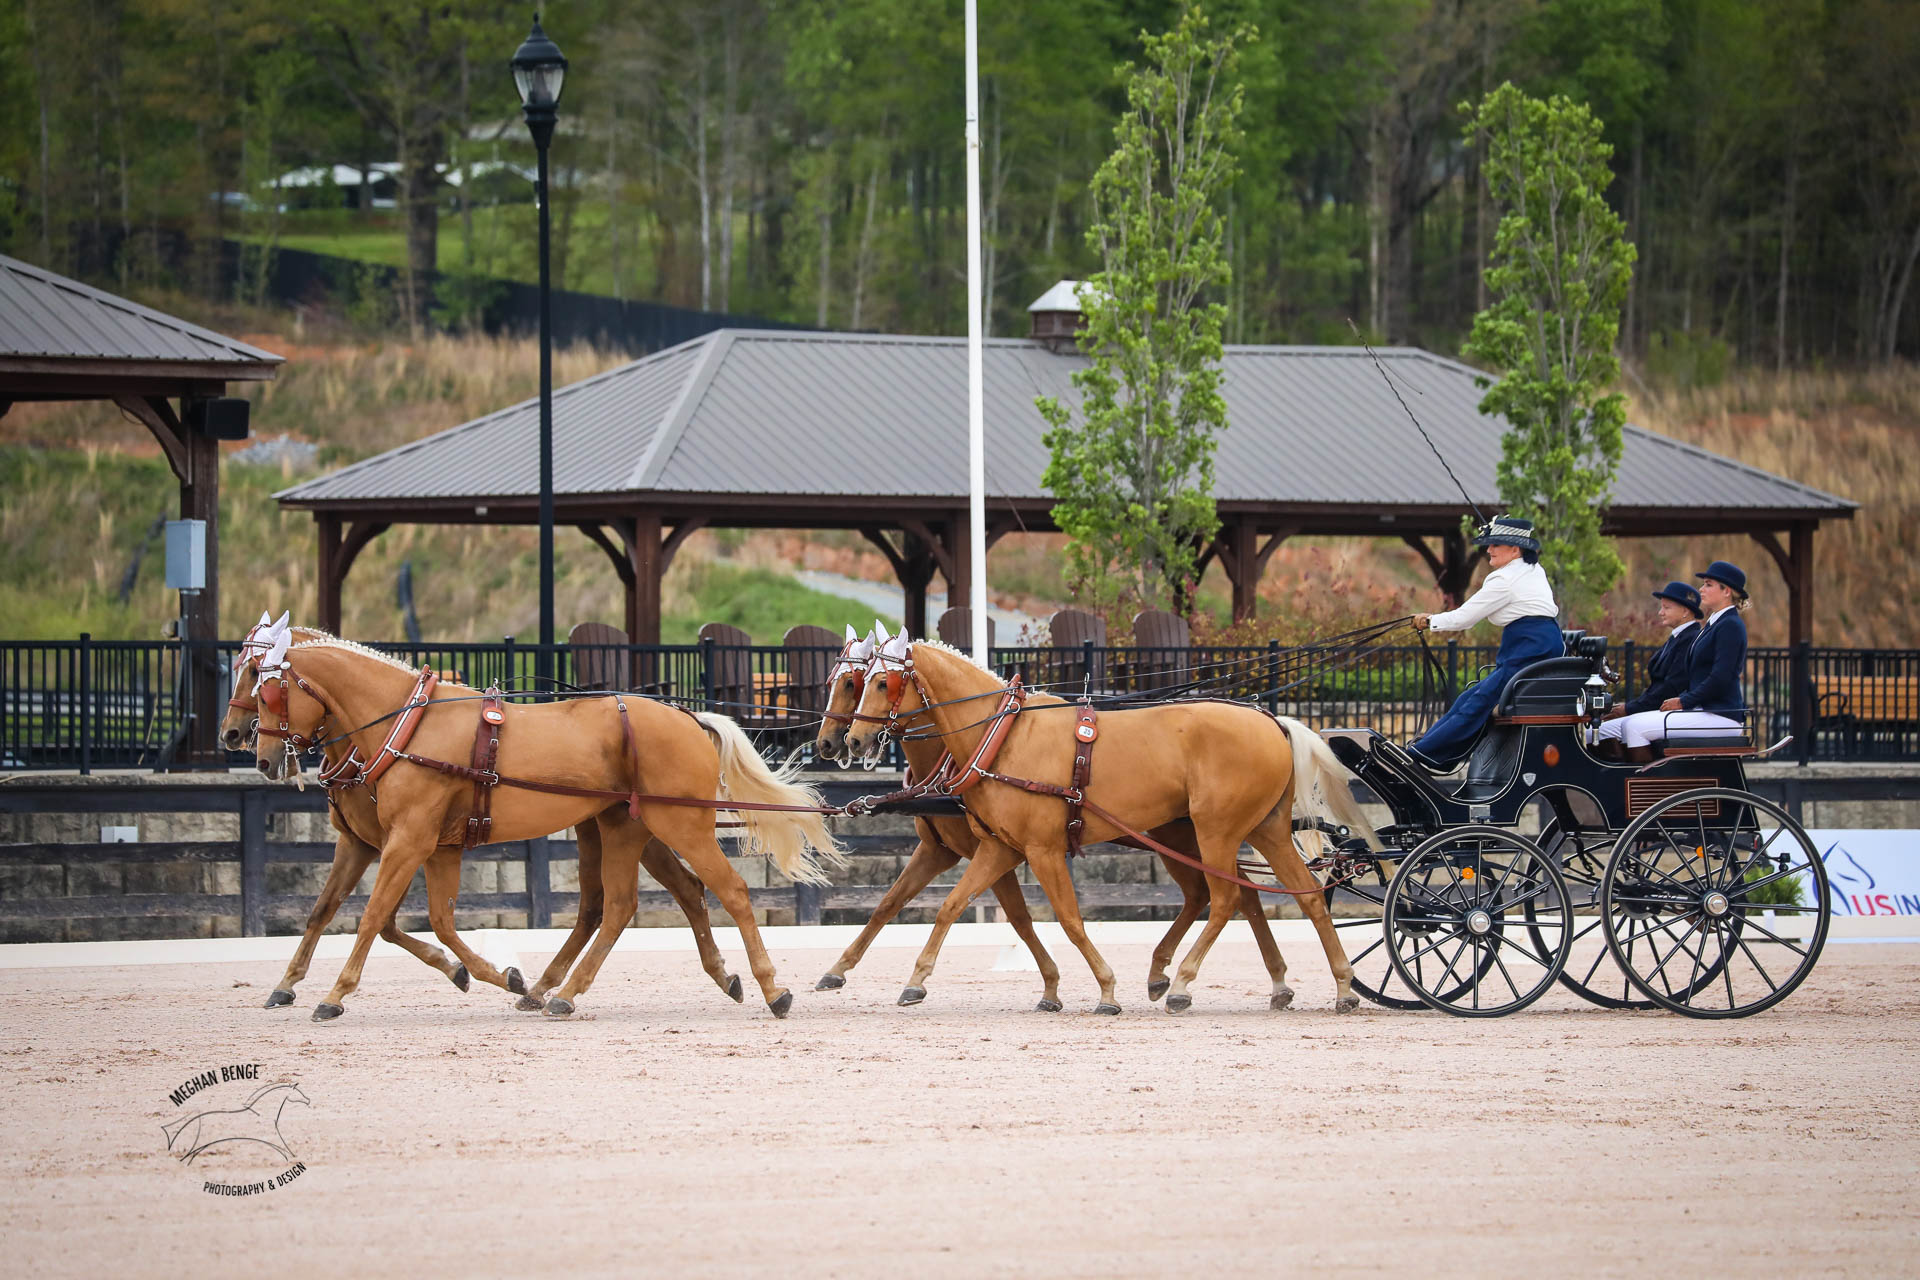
[{"x": 1664, "y": 885}]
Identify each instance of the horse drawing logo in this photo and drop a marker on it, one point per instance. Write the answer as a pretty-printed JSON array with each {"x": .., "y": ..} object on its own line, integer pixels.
[{"x": 256, "y": 1121}]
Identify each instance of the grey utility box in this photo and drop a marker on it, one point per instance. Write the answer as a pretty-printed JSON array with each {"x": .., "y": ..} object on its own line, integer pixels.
[{"x": 186, "y": 555}]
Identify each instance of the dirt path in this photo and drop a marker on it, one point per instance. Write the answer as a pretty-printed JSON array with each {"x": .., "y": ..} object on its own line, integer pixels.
[{"x": 674, "y": 1132}]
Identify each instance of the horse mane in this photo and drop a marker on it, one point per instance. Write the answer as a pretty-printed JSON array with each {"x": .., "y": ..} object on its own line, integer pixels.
[
  {"x": 967, "y": 658},
  {"x": 322, "y": 640}
]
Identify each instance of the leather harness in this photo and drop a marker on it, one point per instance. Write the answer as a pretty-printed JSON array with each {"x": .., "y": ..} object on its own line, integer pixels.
[{"x": 1086, "y": 732}]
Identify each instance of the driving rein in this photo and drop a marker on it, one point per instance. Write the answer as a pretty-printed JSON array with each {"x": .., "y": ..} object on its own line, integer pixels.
[
  {"x": 952, "y": 781},
  {"x": 351, "y": 771}
]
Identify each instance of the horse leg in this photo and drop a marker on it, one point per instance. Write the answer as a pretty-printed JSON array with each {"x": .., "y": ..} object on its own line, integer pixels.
[
  {"x": 692, "y": 897},
  {"x": 690, "y": 834},
  {"x": 1193, "y": 897},
  {"x": 1223, "y": 902},
  {"x": 406, "y": 849},
  {"x": 1013, "y": 901},
  {"x": 930, "y": 858},
  {"x": 1256, "y": 913},
  {"x": 620, "y": 881},
  {"x": 351, "y": 858},
  {"x": 585, "y": 920},
  {"x": 443, "y": 889},
  {"x": 990, "y": 861},
  {"x": 1274, "y": 839},
  {"x": 1051, "y": 870}
]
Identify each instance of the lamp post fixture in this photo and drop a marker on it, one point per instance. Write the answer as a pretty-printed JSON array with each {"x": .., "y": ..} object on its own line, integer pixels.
[{"x": 539, "y": 71}]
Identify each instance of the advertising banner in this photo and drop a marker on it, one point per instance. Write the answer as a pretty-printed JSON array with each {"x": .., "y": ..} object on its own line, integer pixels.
[{"x": 1871, "y": 873}]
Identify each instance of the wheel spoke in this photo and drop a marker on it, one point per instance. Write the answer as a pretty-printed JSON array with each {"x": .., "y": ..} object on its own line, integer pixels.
[
  {"x": 1753, "y": 923},
  {"x": 1502, "y": 965},
  {"x": 1755, "y": 962},
  {"x": 1660, "y": 969}
]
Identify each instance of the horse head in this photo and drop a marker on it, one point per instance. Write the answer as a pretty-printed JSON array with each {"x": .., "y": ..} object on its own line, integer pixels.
[
  {"x": 891, "y": 694},
  {"x": 243, "y": 707},
  {"x": 290, "y": 710},
  {"x": 846, "y": 680}
]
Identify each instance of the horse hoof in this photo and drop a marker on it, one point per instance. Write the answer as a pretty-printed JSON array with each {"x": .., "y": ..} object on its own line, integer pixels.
[
  {"x": 1048, "y": 1006},
  {"x": 830, "y": 982},
  {"x": 734, "y": 989},
  {"x": 529, "y": 1004},
  {"x": 1346, "y": 1004},
  {"x": 558, "y": 1008},
  {"x": 1108, "y": 1009},
  {"x": 1281, "y": 999},
  {"x": 278, "y": 997},
  {"x": 1158, "y": 987},
  {"x": 1179, "y": 1002},
  {"x": 913, "y": 995},
  {"x": 326, "y": 1012},
  {"x": 783, "y": 1005},
  {"x": 461, "y": 978},
  {"x": 516, "y": 985}
]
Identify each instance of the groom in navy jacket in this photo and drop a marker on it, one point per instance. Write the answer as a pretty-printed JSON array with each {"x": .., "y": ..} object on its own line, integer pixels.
[{"x": 1711, "y": 702}]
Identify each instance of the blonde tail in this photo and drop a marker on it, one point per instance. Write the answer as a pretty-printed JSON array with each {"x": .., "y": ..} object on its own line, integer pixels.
[
  {"x": 786, "y": 837},
  {"x": 1321, "y": 788}
]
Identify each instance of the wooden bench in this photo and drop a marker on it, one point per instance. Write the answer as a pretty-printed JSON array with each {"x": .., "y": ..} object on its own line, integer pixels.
[
  {"x": 1862, "y": 704},
  {"x": 1868, "y": 699}
]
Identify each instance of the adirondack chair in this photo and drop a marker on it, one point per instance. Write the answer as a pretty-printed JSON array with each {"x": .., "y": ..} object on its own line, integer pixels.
[
  {"x": 810, "y": 653},
  {"x": 1070, "y": 630},
  {"x": 1163, "y": 642},
  {"x": 956, "y": 628},
  {"x": 599, "y": 656},
  {"x": 732, "y": 678}
]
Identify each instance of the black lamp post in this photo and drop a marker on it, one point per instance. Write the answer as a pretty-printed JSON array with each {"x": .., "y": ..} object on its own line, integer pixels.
[{"x": 539, "y": 71}]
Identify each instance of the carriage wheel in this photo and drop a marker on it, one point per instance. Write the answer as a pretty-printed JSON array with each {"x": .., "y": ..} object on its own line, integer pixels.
[
  {"x": 1373, "y": 975},
  {"x": 1691, "y": 903},
  {"x": 1455, "y": 912},
  {"x": 1591, "y": 973}
]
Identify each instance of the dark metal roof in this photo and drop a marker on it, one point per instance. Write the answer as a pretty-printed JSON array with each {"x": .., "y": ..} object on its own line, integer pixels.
[
  {"x": 47, "y": 317},
  {"x": 759, "y": 414}
]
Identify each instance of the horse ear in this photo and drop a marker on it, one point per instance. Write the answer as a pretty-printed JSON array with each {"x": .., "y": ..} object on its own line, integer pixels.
[
  {"x": 266, "y": 619},
  {"x": 896, "y": 647},
  {"x": 851, "y": 635},
  {"x": 277, "y": 651},
  {"x": 880, "y": 632},
  {"x": 283, "y": 624}
]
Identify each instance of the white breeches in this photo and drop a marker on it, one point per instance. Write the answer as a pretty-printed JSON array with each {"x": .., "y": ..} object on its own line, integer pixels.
[{"x": 1647, "y": 727}]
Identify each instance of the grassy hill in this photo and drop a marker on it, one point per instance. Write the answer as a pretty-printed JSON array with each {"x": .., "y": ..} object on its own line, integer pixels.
[{"x": 80, "y": 488}]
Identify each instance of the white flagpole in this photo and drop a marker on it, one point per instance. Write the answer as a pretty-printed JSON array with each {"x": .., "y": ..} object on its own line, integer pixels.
[{"x": 976, "y": 410}]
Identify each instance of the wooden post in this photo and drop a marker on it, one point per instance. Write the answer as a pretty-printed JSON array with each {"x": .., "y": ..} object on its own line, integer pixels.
[
  {"x": 327, "y": 531},
  {"x": 200, "y": 500},
  {"x": 1800, "y": 585},
  {"x": 643, "y": 547},
  {"x": 253, "y": 863},
  {"x": 960, "y": 551},
  {"x": 539, "y": 884}
]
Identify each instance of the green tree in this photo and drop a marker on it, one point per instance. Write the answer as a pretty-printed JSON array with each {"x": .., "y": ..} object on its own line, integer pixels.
[
  {"x": 1558, "y": 279},
  {"x": 1133, "y": 478}
]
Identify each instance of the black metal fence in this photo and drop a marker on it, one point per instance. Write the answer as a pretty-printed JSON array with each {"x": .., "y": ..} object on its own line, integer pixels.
[{"x": 90, "y": 704}]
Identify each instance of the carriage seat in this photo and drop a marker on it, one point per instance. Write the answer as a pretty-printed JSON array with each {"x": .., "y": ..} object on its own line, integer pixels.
[{"x": 1551, "y": 686}]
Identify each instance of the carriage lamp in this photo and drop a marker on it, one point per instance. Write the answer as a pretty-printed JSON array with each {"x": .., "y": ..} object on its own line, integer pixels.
[{"x": 539, "y": 72}]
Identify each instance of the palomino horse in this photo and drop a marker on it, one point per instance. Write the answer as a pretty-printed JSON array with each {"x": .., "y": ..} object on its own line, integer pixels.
[
  {"x": 358, "y": 837},
  {"x": 1229, "y": 768},
  {"x": 944, "y": 841},
  {"x": 558, "y": 764}
]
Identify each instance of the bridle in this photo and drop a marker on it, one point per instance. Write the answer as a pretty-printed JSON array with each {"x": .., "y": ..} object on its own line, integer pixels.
[
  {"x": 896, "y": 673},
  {"x": 270, "y": 692},
  {"x": 855, "y": 669}
]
